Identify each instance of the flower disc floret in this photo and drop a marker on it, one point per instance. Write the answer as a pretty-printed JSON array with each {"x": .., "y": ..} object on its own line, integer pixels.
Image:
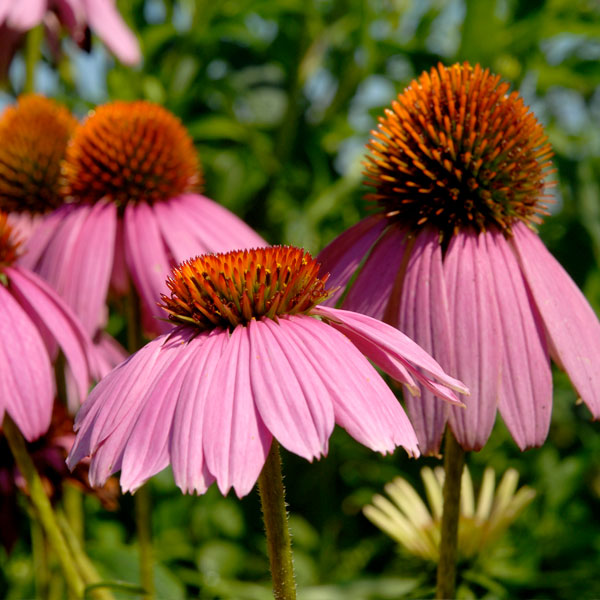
[
  {"x": 131, "y": 152},
  {"x": 9, "y": 246},
  {"x": 457, "y": 151},
  {"x": 34, "y": 133},
  {"x": 229, "y": 289}
]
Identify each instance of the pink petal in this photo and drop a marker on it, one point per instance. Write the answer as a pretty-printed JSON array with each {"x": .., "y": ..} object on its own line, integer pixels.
[
  {"x": 50, "y": 313},
  {"x": 236, "y": 441},
  {"x": 106, "y": 417},
  {"x": 293, "y": 402},
  {"x": 192, "y": 224},
  {"x": 26, "y": 14},
  {"x": 526, "y": 398},
  {"x": 362, "y": 403},
  {"x": 344, "y": 254},
  {"x": 26, "y": 377},
  {"x": 109, "y": 353},
  {"x": 382, "y": 339},
  {"x": 423, "y": 316},
  {"x": 377, "y": 282},
  {"x": 185, "y": 444},
  {"x": 106, "y": 22},
  {"x": 77, "y": 261},
  {"x": 477, "y": 337},
  {"x": 148, "y": 263},
  {"x": 571, "y": 324},
  {"x": 147, "y": 446}
]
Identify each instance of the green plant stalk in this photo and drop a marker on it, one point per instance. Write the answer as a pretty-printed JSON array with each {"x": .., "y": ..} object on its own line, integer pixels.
[
  {"x": 142, "y": 498},
  {"x": 279, "y": 543},
  {"x": 82, "y": 561},
  {"x": 454, "y": 460},
  {"x": 42, "y": 506},
  {"x": 33, "y": 53},
  {"x": 41, "y": 571}
]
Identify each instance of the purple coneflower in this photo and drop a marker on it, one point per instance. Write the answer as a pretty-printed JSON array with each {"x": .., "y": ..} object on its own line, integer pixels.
[
  {"x": 131, "y": 212},
  {"x": 34, "y": 322},
  {"x": 453, "y": 260},
  {"x": 102, "y": 16},
  {"x": 252, "y": 358}
]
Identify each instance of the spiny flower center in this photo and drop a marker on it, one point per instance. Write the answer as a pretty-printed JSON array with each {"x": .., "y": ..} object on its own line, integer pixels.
[
  {"x": 9, "y": 245},
  {"x": 34, "y": 135},
  {"x": 457, "y": 151},
  {"x": 130, "y": 151},
  {"x": 226, "y": 290}
]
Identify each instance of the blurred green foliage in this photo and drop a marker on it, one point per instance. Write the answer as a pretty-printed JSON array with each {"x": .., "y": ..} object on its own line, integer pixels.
[{"x": 280, "y": 98}]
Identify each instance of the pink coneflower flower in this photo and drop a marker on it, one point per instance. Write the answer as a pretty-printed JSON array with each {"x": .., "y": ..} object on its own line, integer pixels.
[
  {"x": 132, "y": 212},
  {"x": 34, "y": 322},
  {"x": 453, "y": 259},
  {"x": 101, "y": 16},
  {"x": 252, "y": 358}
]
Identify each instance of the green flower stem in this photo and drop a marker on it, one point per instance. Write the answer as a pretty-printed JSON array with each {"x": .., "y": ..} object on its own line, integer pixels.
[
  {"x": 82, "y": 561},
  {"x": 272, "y": 498},
  {"x": 142, "y": 498},
  {"x": 33, "y": 53},
  {"x": 454, "y": 460},
  {"x": 42, "y": 506},
  {"x": 73, "y": 503},
  {"x": 41, "y": 570}
]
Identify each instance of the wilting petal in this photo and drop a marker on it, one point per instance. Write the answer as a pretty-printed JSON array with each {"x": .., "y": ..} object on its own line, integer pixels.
[
  {"x": 293, "y": 402},
  {"x": 423, "y": 316},
  {"x": 50, "y": 314},
  {"x": 342, "y": 256},
  {"x": 362, "y": 403},
  {"x": 384, "y": 338},
  {"x": 570, "y": 322},
  {"x": 477, "y": 340},
  {"x": 236, "y": 441},
  {"x": 526, "y": 398},
  {"x": 380, "y": 272},
  {"x": 104, "y": 19},
  {"x": 185, "y": 445},
  {"x": 148, "y": 263},
  {"x": 26, "y": 378}
]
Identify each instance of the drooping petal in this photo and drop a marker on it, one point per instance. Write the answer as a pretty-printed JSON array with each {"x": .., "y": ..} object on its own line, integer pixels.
[
  {"x": 423, "y": 316},
  {"x": 104, "y": 20},
  {"x": 26, "y": 14},
  {"x": 292, "y": 400},
  {"x": 185, "y": 445},
  {"x": 476, "y": 333},
  {"x": 236, "y": 441},
  {"x": 376, "y": 286},
  {"x": 192, "y": 224},
  {"x": 362, "y": 403},
  {"x": 147, "y": 445},
  {"x": 105, "y": 418},
  {"x": 380, "y": 339},
  {"x": 526, "y": 398},
  {"x": 148, "y": 263},
  {"x": 26, "y": 378},
  {"x": 343, "y": 255},
  {"x": 77, "y": 261},
  {"x": 50, "y": 314},
  {"x": 570, "y": 322}
]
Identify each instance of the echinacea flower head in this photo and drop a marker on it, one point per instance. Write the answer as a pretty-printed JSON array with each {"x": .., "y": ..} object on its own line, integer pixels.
[
  {"x": 252, "y": 356},
  {"x": 34, "y": 323},
  {"x": 406, "y": 518},
  {"x": 77, "y": 16},
  {"x": 34, "y": 133},
  {"x": 451, "y": 257},
  {"x": 131, "y": 211}
]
